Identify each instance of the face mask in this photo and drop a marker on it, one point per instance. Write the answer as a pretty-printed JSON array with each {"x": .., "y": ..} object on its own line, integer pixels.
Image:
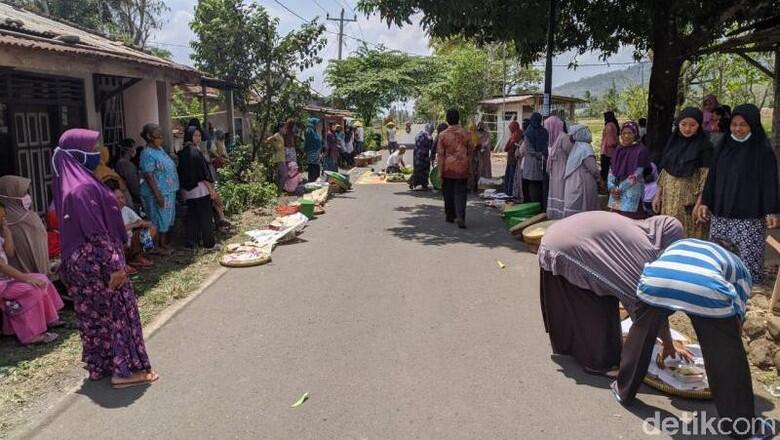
[
  {"x": 91, "y": 161},
  {"x": 26, "y": 200},
  {"x": 743, "y": 139}
]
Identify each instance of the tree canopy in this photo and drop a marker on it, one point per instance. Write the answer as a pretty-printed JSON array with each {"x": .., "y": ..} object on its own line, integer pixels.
[
  {"x": 240, "y": 43},
  {"x": 672, "y": 31},
  {"x": 130, "y": 20},
  {"x": 372, "y": 79}
]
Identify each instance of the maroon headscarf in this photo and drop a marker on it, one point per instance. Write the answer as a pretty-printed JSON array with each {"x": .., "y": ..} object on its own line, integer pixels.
[
  {"x": 85, "y": 207},
  {"x": 628, "y": 158}
]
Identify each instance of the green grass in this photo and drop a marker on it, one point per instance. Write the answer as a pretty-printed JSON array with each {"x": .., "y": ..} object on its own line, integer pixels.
[{"x": 595, "y": 125}]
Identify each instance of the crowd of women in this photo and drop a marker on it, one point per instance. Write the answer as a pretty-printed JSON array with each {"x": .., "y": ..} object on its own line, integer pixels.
[
  {"x": 93, "y": 227},
  {"x": 717, "y": 174}
]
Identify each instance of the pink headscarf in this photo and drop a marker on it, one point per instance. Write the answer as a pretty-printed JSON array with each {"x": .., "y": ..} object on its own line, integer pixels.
[
  {"x": 554, "y": 126},
  {"x": 85, "y": 207}
]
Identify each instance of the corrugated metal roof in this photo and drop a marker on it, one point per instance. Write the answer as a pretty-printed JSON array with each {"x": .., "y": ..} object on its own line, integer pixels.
[{"x": 22, "y": 28}]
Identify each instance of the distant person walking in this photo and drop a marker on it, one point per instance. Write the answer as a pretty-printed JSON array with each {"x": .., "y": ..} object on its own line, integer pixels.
[
  {"x": 454, "y": 162},
  {"x": 609, "y": 142}
]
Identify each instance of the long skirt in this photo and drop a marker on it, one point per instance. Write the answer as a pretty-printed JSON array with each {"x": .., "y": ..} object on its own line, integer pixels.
[
  {"x": 107, "y": 319},
  {"x": 509, "y": 177},
  {"x": 161, "y": 218},
  {"x": 27, "y": 310},
  {"x": 748, "y": 235},
  {"x": 581, "y": 323},
  {"x": 422, "y": 168}
]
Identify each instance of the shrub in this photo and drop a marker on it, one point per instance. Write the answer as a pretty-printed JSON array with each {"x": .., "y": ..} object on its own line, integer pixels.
[{"x": 244, "y": 183}]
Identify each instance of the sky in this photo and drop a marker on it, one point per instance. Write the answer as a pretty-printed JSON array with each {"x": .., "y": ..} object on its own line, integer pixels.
[{"x": 175, "y": 36}]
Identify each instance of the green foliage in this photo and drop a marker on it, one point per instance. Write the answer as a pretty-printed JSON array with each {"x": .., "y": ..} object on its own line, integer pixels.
[
  {"x": 729, "y": 77},
  {"x": 633, "y": 102},
  {"x": 609, "y": 102},
  {"x": 467, "y": 73},
  {"x": 241, "y": 43},
  {"x": 372, "y": 79},
  {"x": 184, "y": 107},
  {"x": 243, "y": 184},
  {"x": 129, "y": 20}
]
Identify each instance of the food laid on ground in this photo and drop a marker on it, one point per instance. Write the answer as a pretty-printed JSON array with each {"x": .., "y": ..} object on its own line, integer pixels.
[
  {"x": 517, "y": 229},
  {"x": 397, "y": 178},
  {"x": 532, "y": 235},
  {"x": 245, "y": 255},
  {"x": 688, "y": 373},
  {"x": 339, "y": 179},
  {"x": 407, "y": 170},
  {"x": 522, "y": 210}
]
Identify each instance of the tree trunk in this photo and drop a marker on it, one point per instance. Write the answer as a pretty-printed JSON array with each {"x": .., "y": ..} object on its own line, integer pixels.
[
  {"x": 776, "y": 109},
  {"x": 664, "y": 80}
]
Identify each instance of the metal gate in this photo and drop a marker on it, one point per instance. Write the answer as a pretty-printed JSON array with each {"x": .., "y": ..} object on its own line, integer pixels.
[{"x": 33, "y": 137}]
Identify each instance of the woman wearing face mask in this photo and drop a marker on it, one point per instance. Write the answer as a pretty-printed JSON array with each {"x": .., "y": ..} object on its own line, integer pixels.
[
  {"x": 197, "y": 188},
  {"x": 625, "y": 182},
  {"x": 29, "y": 232},
  {"x": 684, "y": 167},
  {"x": 740, "y": 197},
  {"x": 93, "y": 266},
  {"x": 161, "y": 182}
]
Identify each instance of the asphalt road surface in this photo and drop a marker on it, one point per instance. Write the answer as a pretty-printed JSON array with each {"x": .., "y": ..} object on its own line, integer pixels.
[{"x": 397, "y": 324}]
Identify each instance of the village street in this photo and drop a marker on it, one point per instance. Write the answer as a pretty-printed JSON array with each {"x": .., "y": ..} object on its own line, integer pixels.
[{"x": 397, "y": 324}]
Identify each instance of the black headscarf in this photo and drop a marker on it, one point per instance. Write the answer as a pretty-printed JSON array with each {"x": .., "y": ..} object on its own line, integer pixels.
[
  {"x": 192, "y": 165},
  {"x": 536, "y": 136},
  {"x": 610, "y": 117},
  {"x": 742, "y": 182},
  {"x": 682, "y": 155}
]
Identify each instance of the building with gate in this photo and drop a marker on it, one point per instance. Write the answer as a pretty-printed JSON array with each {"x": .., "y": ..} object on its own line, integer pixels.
[{"x": 55, "y": 76}]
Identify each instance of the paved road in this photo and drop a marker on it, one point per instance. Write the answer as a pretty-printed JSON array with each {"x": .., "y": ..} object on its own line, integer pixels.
[{"x": 399, "y": 325}]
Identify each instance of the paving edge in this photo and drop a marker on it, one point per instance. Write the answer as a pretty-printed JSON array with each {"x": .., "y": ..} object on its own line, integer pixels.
[{"x": 47, "y": 413}]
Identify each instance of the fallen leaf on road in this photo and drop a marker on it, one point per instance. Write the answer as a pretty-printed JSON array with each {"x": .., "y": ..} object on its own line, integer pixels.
[
  {"x": 300, "y": 401},
  {"x": 500, "y": 264}
]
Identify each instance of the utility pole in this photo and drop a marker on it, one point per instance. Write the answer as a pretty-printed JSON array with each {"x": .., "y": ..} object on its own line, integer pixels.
[
  {"x": 341, "y": 21},
  {"x": 548, "y": 66}
]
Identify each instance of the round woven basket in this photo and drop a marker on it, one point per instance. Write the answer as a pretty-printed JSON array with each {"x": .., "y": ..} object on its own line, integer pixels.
[
  {"x": 668, "y": 389},
  {"x": 261, "y": 259}
]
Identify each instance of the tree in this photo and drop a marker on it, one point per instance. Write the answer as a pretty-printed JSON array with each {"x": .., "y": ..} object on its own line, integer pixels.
[
  {"x": 672, "y": 31},
  {"x": 467, "y": 73},
  {"x": 370, "y": 80},
  {"x": 130, "y": 20},
  {"x": 633, "y": 102},
  {"x": 184, "y": 107},
  {"x": 240, "y": 43},
  {"x": 137, "y": 19}
]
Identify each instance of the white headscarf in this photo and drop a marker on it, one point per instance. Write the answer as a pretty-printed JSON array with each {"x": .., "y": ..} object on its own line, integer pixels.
[{"x": 581, "y": 150}]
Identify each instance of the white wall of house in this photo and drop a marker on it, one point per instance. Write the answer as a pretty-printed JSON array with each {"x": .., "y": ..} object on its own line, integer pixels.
[{"x": 140, "y": 104}]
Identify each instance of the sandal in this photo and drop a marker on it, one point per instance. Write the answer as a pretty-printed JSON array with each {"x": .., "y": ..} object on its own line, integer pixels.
[
  {"x": 45, "y": 338},
  {"x": 130, "y": 270},
  {"x": 147, "y": 378},
  {"x": 611, "y": 373}
]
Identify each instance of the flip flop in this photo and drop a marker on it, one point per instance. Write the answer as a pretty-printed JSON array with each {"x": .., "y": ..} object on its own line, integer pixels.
[
  {"x": 149, "y": 378},
  {"x": 46, "y": 338},
  {"x": 609, "y": 374}
]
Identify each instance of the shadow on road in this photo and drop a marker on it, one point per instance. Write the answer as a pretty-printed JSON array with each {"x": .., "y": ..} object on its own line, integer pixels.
[
  {"x": 643, "y": 411},
  {"x": 102, "y": 394},
  {"x": 424, "y": 223}
]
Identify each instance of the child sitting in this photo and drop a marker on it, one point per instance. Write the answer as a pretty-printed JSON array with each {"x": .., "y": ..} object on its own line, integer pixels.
[
  {"x": 141, "y": 235},
  {"x": 295, "y": 180}
]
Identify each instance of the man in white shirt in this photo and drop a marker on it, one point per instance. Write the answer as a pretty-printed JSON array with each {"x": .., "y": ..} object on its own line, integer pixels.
[{"x": 396, "y": 161}]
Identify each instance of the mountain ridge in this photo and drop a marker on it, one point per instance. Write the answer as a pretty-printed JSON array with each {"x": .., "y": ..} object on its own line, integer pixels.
[{"x": 598, "y": 85}]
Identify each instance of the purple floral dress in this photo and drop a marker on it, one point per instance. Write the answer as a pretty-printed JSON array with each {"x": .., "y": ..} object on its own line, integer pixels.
[{"x": 108, "y": 320}]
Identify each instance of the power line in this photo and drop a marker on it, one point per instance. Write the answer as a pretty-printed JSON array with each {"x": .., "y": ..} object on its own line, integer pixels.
[
  {"x": 320, "y": 6},
  {"x": 290, "y": 11},
  {"x": 341, "y": 21}
]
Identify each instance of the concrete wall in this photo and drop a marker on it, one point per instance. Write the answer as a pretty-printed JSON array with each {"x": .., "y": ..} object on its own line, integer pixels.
[{"x": 140, "y": 102}]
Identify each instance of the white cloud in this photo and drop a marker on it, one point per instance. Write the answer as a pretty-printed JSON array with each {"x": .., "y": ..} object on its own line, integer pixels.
[{"x": 176, "y": 35}]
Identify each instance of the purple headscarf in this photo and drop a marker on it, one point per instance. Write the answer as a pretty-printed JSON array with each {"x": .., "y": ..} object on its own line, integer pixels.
[
  {"x": 628, "y": 158},
  {"x": 85, "y": 207}
]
